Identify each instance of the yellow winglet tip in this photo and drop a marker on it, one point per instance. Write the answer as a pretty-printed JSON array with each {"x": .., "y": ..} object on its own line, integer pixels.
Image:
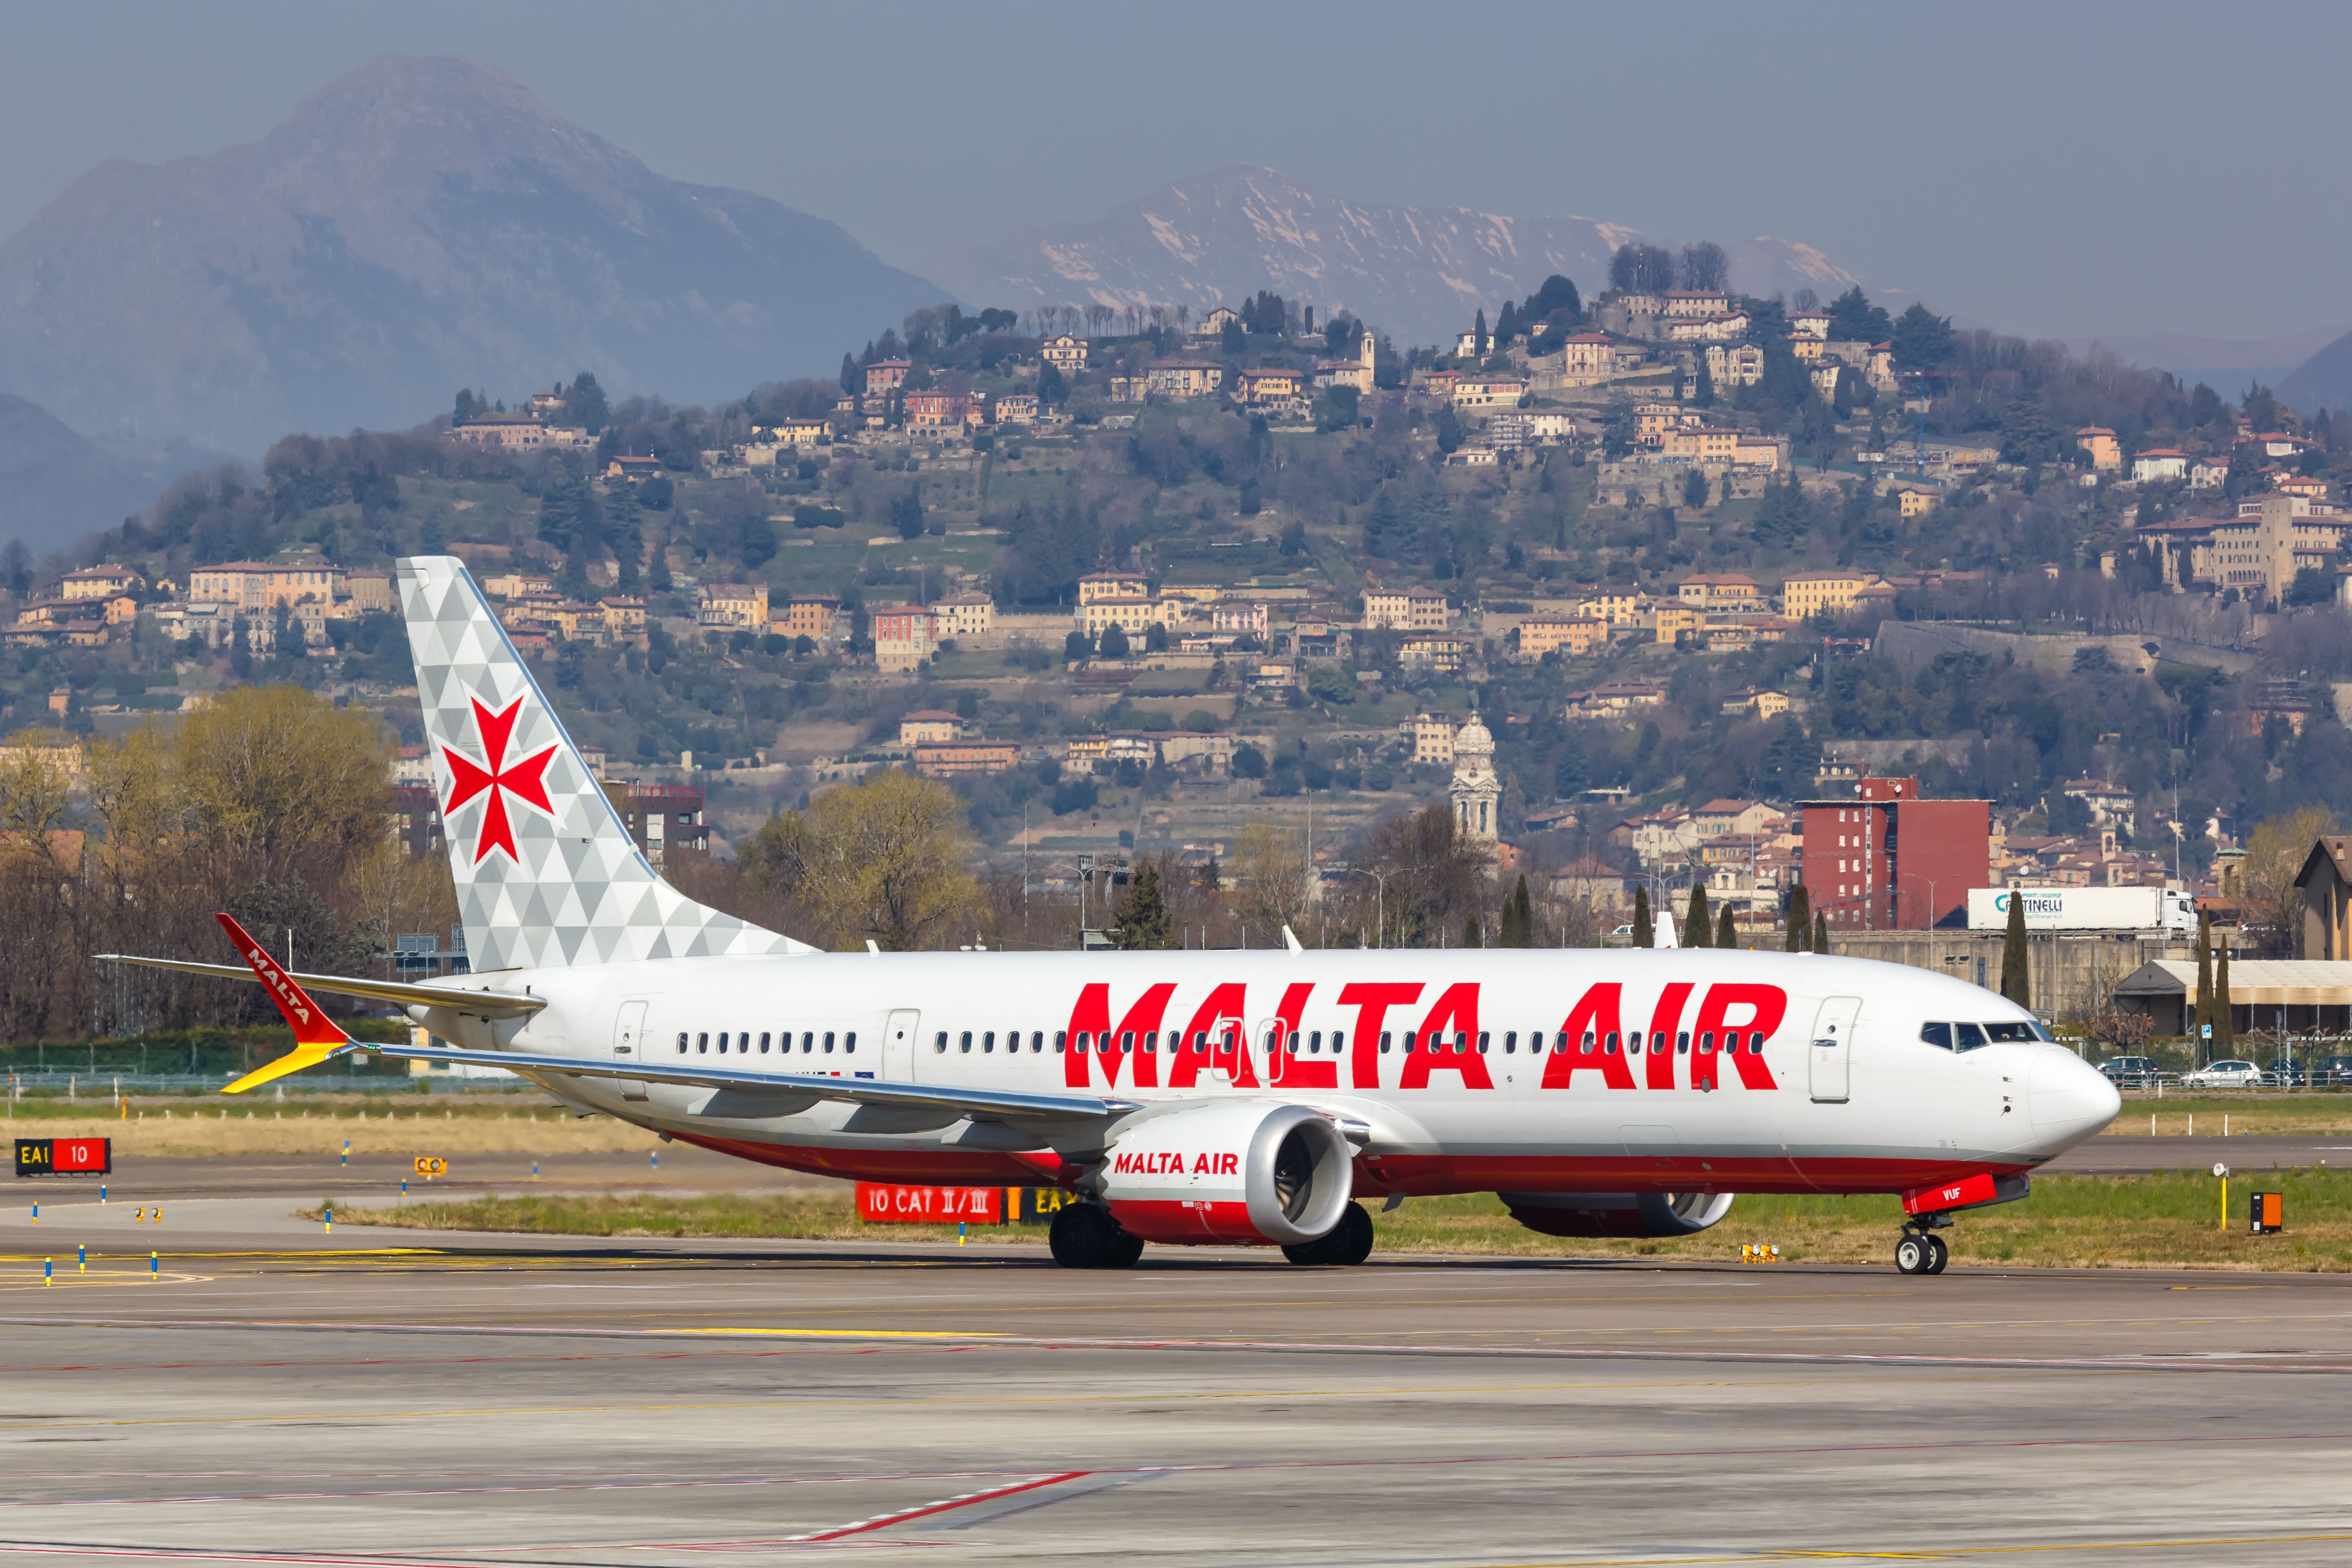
[{"x": 293, "y": 1061}]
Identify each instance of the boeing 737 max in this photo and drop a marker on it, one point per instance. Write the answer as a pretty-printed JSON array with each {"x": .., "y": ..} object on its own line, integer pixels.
[{"x": 1182, "y": 1097}]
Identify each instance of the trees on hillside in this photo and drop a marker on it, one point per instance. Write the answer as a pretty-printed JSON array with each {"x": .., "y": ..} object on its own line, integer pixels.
[{"x": 887, "y": 859}]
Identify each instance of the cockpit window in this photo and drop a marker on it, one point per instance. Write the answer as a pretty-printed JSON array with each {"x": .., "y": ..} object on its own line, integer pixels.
[
  {"x": 2014, "y": 1031},
  {"x": 1967, "y": 1036},
  {"x": 1937, "y": 1034}
]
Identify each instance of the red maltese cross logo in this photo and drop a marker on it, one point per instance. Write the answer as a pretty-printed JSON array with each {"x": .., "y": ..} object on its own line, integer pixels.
[{"x": 496, "y": 778}]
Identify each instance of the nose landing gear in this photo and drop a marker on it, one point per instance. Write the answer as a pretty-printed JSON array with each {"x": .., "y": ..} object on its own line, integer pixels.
[{"x": 1921, "y": 1251}]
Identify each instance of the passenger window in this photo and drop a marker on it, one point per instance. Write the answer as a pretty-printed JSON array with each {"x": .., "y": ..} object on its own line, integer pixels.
[
  {"x": 1150, "y": 1042},
  {"x": 1534, "y": 1042},
  {"x": 681, "y": 1043},
  {"x": 1510, "y": 1042},
  {"x": 988, "y": 1043},
  {"x": 1706, "y": 1042},
  {"x": 1681, "y": 1044},
  {"x": 1586, "y": 1048},
  {"x": 849, "y": 1044},
  {"x": 1085, "y": 1041},
  {"x": 1339, "y": 1041},
  {"x": 1461, "y": 1041},
  {"x": 828, "y": 1042},
  {"x": 763, "y": 1041},
  {"x": 1937, "y": 1034},
  {"x": 1731, "y": 1042},
  {"x": 1968, "y": 1036},
  {"x": 1126, "y": 1042},
  {"x": 808, "y": 1042},
  {"x": 1410, "y": 1040},
  {"x": 1314, "y": 1042},
  {"x": 1386, "y": 1035},
  {"x": 1609, "y": 1045},
  {"x": 964, "y": 1041},
  {"x": 1633, "y": 1043},
  {"x": 1061, "y": 1041},
  {"x": 702, "y": 1044},
  {"x": 940, "y": 1044},
  {"x": 1483, "y": 1036}
]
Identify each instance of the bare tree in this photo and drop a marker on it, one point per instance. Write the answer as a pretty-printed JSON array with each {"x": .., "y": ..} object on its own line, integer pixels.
[{"x": 1705, "y": 267}]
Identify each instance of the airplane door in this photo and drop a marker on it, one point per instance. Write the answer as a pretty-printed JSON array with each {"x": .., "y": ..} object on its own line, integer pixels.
[
  {"x": 1833, "y": 1048},
  {"x": 629, "y": 1045},
  {"x": 898, "y": 1037},
  {"x": 1268, "y": 1034}
]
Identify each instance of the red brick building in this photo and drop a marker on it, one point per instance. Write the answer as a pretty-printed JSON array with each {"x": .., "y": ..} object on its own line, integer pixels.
[{"x": 1888, "y": 861}]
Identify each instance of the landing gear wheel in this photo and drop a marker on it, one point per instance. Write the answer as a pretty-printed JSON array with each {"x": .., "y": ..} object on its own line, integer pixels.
[
  {"x": 1085, "y": 1237},
  {"x": 1345, "y": 1245},
  {"x": 1913, "y": 1256},
  {"x": 1937, "y": 1254}
]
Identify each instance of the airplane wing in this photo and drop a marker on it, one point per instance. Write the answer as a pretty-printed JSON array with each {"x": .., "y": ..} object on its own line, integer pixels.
[
  {"x": 481, "y": 1003},
  {"x": 983, "y": 1104}
]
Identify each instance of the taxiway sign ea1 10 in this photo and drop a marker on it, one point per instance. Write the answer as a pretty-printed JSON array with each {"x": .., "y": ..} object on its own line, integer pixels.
[{"x": 1197, "y": 1097}]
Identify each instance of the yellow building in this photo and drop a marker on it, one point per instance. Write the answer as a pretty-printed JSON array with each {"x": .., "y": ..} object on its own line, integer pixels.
[
  {"x": 1916, "y": 503},
  {"x": 1431, "y": 736},
  {"x": 1577, "y": 635},
  {"x": 1129, "y": 613},
  {"x": 1405, "y": 609},
  {"x": 740, "y": 605},
  {"x": 1618, "y": 607},
  {"x": 1829, "y": 593},
  {"x": 1112, "y": 586},
  {"x": 1672, "y": 621},
  {"x": 2106, "y": 452}
]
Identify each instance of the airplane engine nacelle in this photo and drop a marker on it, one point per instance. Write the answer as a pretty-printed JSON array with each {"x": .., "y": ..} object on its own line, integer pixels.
[
  {"x": 1647, "y": 1215},
  {"x": 1245, "y": 1172}
]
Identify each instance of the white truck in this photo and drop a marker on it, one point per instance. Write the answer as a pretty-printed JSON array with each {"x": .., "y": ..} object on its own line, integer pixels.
[{"x": 2085, "y": 908}]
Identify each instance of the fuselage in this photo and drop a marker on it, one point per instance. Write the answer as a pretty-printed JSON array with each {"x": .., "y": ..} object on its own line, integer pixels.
[{"x": 1473, "y": 1070}]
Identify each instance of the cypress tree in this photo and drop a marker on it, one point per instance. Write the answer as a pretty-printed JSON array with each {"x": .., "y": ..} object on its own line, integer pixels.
[
  {"x": 2225, "y": 1037},
  {"x": 1697, "y": 928},
  {"x": 2016, "y": 983},
  {"x": 1479, "y": 333},
  {"x": 1725, "y": 935},
  {"x": 1470, "y": 932},
  {"x": 1143, "y": 921},
  {"x": 1518, "y": 929},
  {"x": 1800, "y": 918},
  {"x": 1645, "y": 931},
  {"x": 2204, "y": 988},
  {"x": 1821, "y": 934}
]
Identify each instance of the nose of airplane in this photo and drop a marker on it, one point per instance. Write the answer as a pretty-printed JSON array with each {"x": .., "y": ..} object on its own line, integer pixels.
[{"x": 2071, "y": 1099}]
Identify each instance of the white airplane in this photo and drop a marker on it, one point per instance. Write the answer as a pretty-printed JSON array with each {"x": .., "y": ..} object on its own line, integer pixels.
[{"x": 1197, "y": 1097}]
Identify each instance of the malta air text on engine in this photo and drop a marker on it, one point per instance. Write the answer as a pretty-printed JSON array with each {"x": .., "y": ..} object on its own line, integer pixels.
[
  {"x": 1170, "y": 1162},
  {"x": 1404, "y": 1035}
]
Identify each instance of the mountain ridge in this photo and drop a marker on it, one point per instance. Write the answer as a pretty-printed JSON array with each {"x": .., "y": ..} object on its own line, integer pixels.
[
  {"x": 416, "y": 225},
  {"x": 1417, "y": 273}
]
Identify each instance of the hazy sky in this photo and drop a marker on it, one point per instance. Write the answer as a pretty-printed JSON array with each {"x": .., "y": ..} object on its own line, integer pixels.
[{"x": 2062, "y": 170}]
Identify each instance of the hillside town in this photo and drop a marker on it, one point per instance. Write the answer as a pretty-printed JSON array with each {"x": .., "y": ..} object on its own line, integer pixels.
[{"x": 1645, "y": 596}]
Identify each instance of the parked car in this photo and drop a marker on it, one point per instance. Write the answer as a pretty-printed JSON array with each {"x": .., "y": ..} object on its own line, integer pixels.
[
  {"x": 2131, "y": 1072},
  {"x": 2283, "y": 1074},
  {"x": 2224, "y": 1075},
  {"x": 2332, "y": 1072}
]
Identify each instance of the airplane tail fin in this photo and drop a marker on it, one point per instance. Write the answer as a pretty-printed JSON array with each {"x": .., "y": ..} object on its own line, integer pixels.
[
  {"x": 547, "y": 873},
  {"x": 316, "y": 1037}
]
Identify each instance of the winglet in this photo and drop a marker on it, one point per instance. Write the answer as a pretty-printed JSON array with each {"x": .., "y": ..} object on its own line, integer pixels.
[
  {"x": 1290, "y": 939},
  {"x": 316, "y": 1037}
]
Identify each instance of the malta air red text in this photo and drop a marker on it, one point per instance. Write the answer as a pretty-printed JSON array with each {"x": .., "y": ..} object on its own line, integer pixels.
[
  {"x": 1170, "y": 1162},
  {"x": 1404, "y": 1035}
]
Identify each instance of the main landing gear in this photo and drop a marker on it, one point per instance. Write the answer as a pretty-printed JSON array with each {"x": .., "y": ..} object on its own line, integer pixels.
[
  {"x": 1344, "y": 1245},
  {"x": 1921, "y": 1251},
  {"x": 1084, "y": 1236}
]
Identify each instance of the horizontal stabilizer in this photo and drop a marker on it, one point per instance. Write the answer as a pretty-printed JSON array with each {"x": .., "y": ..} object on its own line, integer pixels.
[
  {"x": 981, "y": 1104},
  {"x": 481, "y": 1004}
]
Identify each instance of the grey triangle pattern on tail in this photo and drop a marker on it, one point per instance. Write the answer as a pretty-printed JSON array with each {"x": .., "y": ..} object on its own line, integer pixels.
[{"x": 576, "y": 889}]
